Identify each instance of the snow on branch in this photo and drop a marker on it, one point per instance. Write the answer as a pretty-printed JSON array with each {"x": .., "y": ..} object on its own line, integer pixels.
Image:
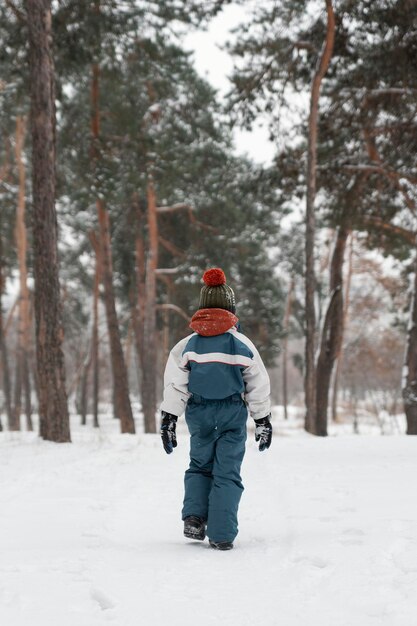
[
  {"x": 379, "y": 169},
  {"x": 181, "y": 206},
  {"x": 389, "y": 91},
  {"x": 167, "y": 270}
]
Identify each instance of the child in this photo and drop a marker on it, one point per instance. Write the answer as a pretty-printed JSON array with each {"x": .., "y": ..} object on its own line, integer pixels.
[{"x": 215, "y": 375}]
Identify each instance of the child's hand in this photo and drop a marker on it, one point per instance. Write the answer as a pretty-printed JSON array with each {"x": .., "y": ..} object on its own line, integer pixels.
[
  {"x": 263, "y": 432},
  {"x": 168, "y": 435}
]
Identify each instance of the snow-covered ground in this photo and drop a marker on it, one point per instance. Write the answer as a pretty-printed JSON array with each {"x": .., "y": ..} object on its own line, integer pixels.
[{"x": 90, "y": 534}]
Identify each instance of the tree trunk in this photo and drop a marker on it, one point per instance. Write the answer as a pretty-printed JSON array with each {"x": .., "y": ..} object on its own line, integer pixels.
[
  {"x": 149, "y": 342},
  {"x": 409, "y": 383},
  {"x": 310, "y": 278},
  {"x": 95, "y": 347},
  {"x": 53, "y": 408},
  {"x": 23, "y": 311},
  {"x": 285, "y": 328},
  {"x": 345, "y": 319},
  {"x": 31, "y": 354},
  {"x": 84, "y": 388},
  {"x": 27, "y": 393},
  {"x": 128, "y": 346},
  {"x": 138, "y": 308},
  {"x": 332, "y": 334},
  {"x": 95, "y": 340},
  {"x": 7, "y": 392},
  {"x": 17, "y": 408},
  {"x": 120, "y": 382}
]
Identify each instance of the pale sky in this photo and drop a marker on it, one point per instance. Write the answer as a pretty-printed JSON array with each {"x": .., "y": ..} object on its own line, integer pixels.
[{"x": 215, "y": 65}]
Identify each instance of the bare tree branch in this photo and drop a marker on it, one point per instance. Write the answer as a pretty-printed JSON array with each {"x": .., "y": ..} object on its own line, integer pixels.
[
  {"x": 378, "y": 222},
  {"x": 305, "y": 45},
  {"x": 182, "y": 206},
  {"x": 174, "y": 307},
  {"x": 374, "y": 155},
  {"x": 173, "y": 249},
  {"x": 17, "y": 12}
]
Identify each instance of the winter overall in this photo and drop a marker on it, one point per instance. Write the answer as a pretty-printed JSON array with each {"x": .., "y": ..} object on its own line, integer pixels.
[
  {"x": 216, "y": 375},
  {"x": 213, "y": 485}
]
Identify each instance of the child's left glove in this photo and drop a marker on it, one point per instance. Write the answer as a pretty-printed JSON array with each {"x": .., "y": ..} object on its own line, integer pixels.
[
  {"x": 168, "y": 435},
  {"x": 263, "y": 432}
]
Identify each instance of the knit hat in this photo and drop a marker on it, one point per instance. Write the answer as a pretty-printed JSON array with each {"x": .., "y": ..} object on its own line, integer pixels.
[{"x": 216, "y": 294}]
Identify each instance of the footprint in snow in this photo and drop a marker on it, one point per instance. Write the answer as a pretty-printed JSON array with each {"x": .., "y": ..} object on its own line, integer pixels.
[
  {"x": 354, "y": 532},
  {"x": 315, "y": 561},
  {"x": 406, "y": 559},
  {"x": 103, "y": 600},
  {"x": 352, "y": 537}
]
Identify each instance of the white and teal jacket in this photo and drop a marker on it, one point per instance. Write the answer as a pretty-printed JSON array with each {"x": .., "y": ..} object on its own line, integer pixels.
[{"x": 216, "y": 366}]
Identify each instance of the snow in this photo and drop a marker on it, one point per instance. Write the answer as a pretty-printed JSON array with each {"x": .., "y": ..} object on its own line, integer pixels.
[{"x": 90, "y": 534}]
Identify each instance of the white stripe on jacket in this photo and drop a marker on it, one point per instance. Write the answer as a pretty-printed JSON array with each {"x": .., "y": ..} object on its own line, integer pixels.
[{"x": 255, "y": 376}]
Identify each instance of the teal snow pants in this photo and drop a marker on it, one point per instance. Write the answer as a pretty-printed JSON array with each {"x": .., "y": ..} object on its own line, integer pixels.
[{"x": 213, "y": 485}]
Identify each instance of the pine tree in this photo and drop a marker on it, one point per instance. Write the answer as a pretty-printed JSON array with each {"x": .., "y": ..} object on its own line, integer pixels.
[
  {"x": 367, "y": 129},
  {"x": 53, "y": 410}
]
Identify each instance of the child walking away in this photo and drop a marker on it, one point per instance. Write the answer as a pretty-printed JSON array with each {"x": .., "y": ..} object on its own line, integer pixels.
[{"x": 216, "y": 375}]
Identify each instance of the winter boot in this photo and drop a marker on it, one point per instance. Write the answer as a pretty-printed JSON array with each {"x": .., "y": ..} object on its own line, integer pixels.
[
  {"x": 221, "y": 545},
  {"x": 194, "y": 527}
]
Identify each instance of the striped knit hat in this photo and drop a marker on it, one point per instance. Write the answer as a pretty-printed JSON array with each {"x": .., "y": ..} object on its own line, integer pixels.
[{"x": 216, "y": 294}]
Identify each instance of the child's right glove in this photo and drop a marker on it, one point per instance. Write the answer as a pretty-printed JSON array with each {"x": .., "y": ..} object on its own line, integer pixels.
[
  {"x": 168, "y": 435},
  {"x": 263, "y": 432}
]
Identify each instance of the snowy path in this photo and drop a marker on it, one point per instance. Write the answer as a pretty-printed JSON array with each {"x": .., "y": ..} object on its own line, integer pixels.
[{"x": 90, "y": 535}]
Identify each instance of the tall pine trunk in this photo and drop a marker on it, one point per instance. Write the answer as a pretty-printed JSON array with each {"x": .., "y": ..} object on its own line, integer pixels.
[
  {"x": 95, "y": 347},
  {"x": 345, "y": 319},
  {"x": 53, "y": 408},
  {"x": 7, "y": 392},
  {"x": 409, "y": 383},
  {"x": 138, "y": 307},
  {"x": 22, "y": 382},
  {"x": 310, "y": 278},
  {"x": 149, "y": 340},
  {"x": 84, "y": 387},
  {"x": 332, "y": 333},
  {"x": 27, "y": 392},
  {"x": 122, "y": 404},
  {"x": 285, "y": 328},
  {"x": 5, "y": 370},
  {"x": 120, "y": 382}
]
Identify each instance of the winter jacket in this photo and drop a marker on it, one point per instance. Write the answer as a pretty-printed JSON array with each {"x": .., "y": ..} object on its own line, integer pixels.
[{"x": 215, "y": 366}]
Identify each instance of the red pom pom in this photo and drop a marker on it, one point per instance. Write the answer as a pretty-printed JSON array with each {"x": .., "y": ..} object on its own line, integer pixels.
[{"x": 214, "y": 276}]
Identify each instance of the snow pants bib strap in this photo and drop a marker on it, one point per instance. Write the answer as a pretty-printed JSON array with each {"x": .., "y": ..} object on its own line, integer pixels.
[{"x": 213, "y": 486}]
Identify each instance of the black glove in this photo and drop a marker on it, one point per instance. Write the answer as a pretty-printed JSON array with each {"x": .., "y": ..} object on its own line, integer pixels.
[
  {"x": 168, "y": 425},
  {"x": 263, "y": 432}
]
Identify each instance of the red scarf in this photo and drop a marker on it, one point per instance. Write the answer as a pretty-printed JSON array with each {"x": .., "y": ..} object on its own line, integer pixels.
[{"x": 209, "y": 322}]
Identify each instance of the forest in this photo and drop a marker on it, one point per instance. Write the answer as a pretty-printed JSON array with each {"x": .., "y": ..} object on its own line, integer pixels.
[
  {"x": 120, "y": 184},
  {"x": 208, "y": 264}
]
